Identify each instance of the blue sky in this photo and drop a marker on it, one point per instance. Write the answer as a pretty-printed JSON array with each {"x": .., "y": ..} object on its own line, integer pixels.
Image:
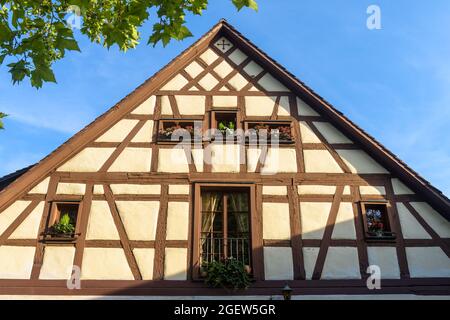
[{"x": 392, "y": 82}]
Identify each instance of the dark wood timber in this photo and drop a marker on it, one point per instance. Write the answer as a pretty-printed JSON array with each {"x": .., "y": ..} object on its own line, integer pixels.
[
  {"x": 160, "y": 238},
  {"x": 296, "y": 233},
  {"x": 360, "y": 238},
  {"x": 257, "y": 233},
  {"x": 328, "y": 234}
]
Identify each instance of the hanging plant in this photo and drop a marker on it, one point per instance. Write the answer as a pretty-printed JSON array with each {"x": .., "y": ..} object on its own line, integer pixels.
[{"x": 228, "y": 274}]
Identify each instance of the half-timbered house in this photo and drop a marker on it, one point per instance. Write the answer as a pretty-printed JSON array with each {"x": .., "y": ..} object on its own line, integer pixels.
[{"x": 222, "y": 153}]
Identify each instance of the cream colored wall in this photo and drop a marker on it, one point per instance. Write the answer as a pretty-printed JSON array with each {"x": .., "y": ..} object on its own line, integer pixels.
[
  {"x": 310, "y": 258},
  {"x": 428, "y": 262},
  {"x": 176, "y": 83},
  {"x": 320, "y": 161},
  {"x": 320, "y": 189},
  {"x": 194, "y": 69},
  {"x": 133, "y": 160},
  {"x": 344, "y": 228},
  {"x": 41, "y": 188},
  {"x": 308, "y": 136},
  {"x": 253, "y": 69},
  {"x": 372, "y": 190},
  {"x": 304, "y": 109},
  {"x": 223, "y": 69},
  {"x": 314, "y": 216},
  {"x": 29, "y": 228},
  {"x": 101, "y": 224},
  {"x": 224, "y": 101},
  {"x": 281, "y": 160},
  {"x": 145, "y": 260},
  {"x": 341, "y": 263},
  {"x": 139, "y": 218},
  {"x": 105, "y": 264},
  {"x": 172, "y": 161},
  {"x": 57, "y": 263},
  {"x": 411, "y": 228},
  {"x": 179, "y": 189},
  {"x": 400, "y": 188},
  {"x": 386, "y": 259},
  {"x": 11, "y": 213},
  {"x": 237, "y": 56},
  {"x": 274, "y": 190},
  {"x": 278, "y": 264},
  {"x": 436, "y": 221},
  {"x": 261, "y": 106},
  {"x": 276, "y": 221},
  {"x": 209, "y": 56},
  {"x": 269, "y": 83},
  {"x": 175, "y": 264},
  {"x": 87, "y": 160},
  {"x": 71, "y": 188},
  {"x": 145, "y": 134},
  {"x": 330, "y": 133},
  {"x": 147, "y": 107},
  {"x": 225, "y": 157},
  {"x": 360, "y": 162},
  {"x": 136, "y": 188},
  {"x": 119, "y": 131},
  {"x": 16, "y": 262},
  {"x": 191, "y": 105},
  {"x": 177, "y": 220}
]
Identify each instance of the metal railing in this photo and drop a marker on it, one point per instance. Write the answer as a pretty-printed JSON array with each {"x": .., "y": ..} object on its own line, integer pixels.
[{"x": 214, "y": 246}]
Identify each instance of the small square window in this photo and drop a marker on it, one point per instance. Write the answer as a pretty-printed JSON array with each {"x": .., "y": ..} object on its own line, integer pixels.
[
  {"x": 376, "y": 221},
  {"x": 224, "y": 124},
  {"x": 62, "y": 222},
  {"x": 177, "y": 131}
]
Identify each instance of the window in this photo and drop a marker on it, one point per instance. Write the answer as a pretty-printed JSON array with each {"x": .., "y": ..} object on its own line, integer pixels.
[
  {"x": 62, "y": 221},
  {"x": 178, "y": 130},
  {"x": 225, "y": 226},
  {"x": 224, "y": 123},
  {"x": 269, "y": 130},
  {"x": 376, "y": 221}
]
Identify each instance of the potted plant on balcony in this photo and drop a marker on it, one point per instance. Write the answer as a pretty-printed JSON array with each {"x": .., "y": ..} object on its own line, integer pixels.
[
  {"x": 230, "y": 274},
  {"x": 227, "y": 129},
  {"x": 63, "y": 228},
  {"x": 282, "y": 133}
]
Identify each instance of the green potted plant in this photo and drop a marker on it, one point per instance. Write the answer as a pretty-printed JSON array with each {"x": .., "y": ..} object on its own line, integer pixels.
[
  {"x": 230, "y": 274},
  {"x": 64, "y": 228},
  {"x": 227, "y": 129}
]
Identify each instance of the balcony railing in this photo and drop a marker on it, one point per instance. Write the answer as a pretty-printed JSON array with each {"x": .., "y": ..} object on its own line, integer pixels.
[{"x": 213, "y": 246}]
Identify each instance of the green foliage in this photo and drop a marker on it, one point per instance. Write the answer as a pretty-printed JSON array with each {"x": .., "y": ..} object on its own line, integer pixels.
[
  {"x": 2, "y": 115},
  {"x": 227, "y": 128},
  {"x": 35, "y": 34},
  {"x": 64, "y": 226},
  {"x": 229, "y": 274}
]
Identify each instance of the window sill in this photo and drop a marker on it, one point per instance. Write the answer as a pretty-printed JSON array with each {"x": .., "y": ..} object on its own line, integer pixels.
[
  {"x": 52, "y": 238},
  {"x": 389, "y": 237}
]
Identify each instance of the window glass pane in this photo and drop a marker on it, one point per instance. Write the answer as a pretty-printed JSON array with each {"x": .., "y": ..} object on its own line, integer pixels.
[
  {"x": 237, "y": 214},
  {"x": 211, "y": 211}
]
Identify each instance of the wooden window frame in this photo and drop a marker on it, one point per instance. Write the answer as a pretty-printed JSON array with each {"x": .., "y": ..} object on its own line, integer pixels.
[
  {"x": 290, "y": 123},
  {"x": 54, "y": 216},
  {"x": 256, "y": 264},
  {"x": 390, "y": 235},
  {"x": 163, "y": 121},
  {"x": 214, "y": 121}
]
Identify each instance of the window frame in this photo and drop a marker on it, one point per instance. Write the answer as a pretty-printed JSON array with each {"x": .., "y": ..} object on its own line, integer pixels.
[
  {"x": 197, "y": 222},
  {"x": 214, "y": 121},
  {"x": 389, "y": 235},
  {"x": 55, "y": 215},
  {"x": 163, "y": 121},
  {"x": 249, "y": 123}
]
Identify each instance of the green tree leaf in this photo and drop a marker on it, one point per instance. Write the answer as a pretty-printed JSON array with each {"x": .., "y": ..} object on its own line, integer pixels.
[{"x": 2, "y": 115}]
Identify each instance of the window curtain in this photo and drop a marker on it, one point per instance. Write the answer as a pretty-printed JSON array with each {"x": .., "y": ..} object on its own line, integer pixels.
[
  {"x": 210, "y": 204},
  {"x": 238, "y": 205}
]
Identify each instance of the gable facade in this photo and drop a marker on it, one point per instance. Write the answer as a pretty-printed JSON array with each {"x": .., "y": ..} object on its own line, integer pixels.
[{"x": 140, "y": 199}]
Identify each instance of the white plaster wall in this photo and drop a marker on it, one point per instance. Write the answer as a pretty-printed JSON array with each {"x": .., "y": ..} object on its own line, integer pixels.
[
  {"x": 197, "y": 156},
  {"x": 310, "y": 257},
  {"x": 87, "y": 160},
  {"x": 316, "y": 189},
  {"x": 223, "y": 69},
  {"x": 176, "y": 83},
  {"x": 105, "y": 264},
  {"x": 437, "y": 222},
  {"x": 175, "y": 264},
  {"x": 41, "y": 188},
  {"x": 428, "y": 262},
  {"x": 224, "y": 101},
  {"x": 147, "y": 107},
  {"x": 253, "y": 155},
  {"x": 304, "y": 109},
  {"x": 119, "y": 131},
  {"x": 11, "y": 213},
  {"x": 29, "y": 228},
  {"x": 139, "y": 218},
  {"x": 209, "y": 56},
  {"x": 372, "y": 190},
  {"x": 330, "y": 133},
  {"x": 341, "y": 263},
  {"x": 136, "y": 188},
  {"x": 400, "y": 188},
  {"x": 276, "y": 221},
  {"x": 71, "y": 188},
  {"x": 314, "y": 216},
  {"x": 225, "y": 157},
  {"x": 238, "y": 81},
  {"x": 172, "y": 160},
  {"x": 101, "y": 224},
  {"x": 274, "y": 190},
  {"x": 360, "y": 162},
  {"x": 145, "y": 134},
  {"x": 177, "y": 220},
  {"x": 58, "y": 262},
  {"x": 16, "y": 262},
  {"x": 194, "y": 69},
  {"x": 269, "y": 83},
  {"x": 133, "y": 160},
  {"x": 208, "y": 81},
  {"x": 166, "y": 109},
  {"x": 386, "y": 259},
  {"x": 320, "y": 161},
  {"x": 344, "y": 228},
  {"x": 284, "y": 109},
  {"x": 253, "y": 69},
  {"x": 261, "y": 106},
  {"x": 237, "y": 56},
  {"x": 98, "y": 189},
  {"x": 308, "y": 136},
  {"x": 191, "y": 105},
  {"x": 280, "y": 160},
  {"x": 411, "y": 228},
  {"x": 179, "y": 189},
  {"x": 145, "y": 260},
  {"x": 278, "y": 264}
]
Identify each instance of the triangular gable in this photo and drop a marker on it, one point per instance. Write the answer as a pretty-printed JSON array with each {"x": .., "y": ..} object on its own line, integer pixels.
[{"x": 198, "y": 68}]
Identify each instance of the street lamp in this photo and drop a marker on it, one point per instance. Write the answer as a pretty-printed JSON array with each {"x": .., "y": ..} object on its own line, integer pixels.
[{"x": 287, "y": 292}]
